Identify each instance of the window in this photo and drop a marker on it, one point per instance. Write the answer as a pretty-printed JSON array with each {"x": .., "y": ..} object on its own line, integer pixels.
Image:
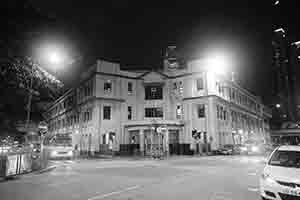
[
  {"x": 107, "y": 112},
  {"x": 107, "y": 86},
  {"x": 180, "y": 87},
  {"x": 87, "y": 115},
  {"x": 153, "y": 112},
  {"x": 219, "y": 112},
  {"x": 129, "y": 113},
  {"x": 178, "y": 112},
  {"x": 153, "y": 92},
  {"x": 129, "y": 87},
  {"x": 200, "y": 84},
  {"x": 224, "y": 114},
  {"x": 289, "y": 159},
  {"x": 201, "y": 110},
  {"x": 175, "y": 86},
  {"x": 88, "y": 88}
]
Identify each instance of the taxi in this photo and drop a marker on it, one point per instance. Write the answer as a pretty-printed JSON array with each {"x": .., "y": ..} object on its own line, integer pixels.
[{"x": 280, "y": 179}]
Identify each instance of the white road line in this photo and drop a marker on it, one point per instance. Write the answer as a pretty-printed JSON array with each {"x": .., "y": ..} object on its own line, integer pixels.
[
  {"x": 253, "y": 189},
  {"x": 252, "y": 173},
  {"x": 102, "y": 196}
]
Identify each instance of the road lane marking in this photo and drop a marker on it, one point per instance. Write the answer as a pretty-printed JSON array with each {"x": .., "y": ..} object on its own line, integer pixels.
[
  {"x": 253, "y": 189},
  {"x": 102, "y": 196},
  {"x": 252, "y": 173}
]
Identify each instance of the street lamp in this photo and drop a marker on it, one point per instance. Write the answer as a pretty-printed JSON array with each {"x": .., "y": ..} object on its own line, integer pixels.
[
  {"x": 278, "y": 105},
  {"x": 55, "y": 57},
  {"x": 217, "y": 64}
]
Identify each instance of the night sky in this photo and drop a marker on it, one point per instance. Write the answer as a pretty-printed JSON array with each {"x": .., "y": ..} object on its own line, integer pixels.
[{"x": 135, "y": 33}]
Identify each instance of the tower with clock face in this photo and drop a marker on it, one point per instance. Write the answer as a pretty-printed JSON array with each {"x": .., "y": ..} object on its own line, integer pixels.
[{"x": 172, "y": 60}]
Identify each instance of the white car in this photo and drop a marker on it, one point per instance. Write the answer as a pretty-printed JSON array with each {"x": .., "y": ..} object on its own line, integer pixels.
[{"x": 281, "y": 176}]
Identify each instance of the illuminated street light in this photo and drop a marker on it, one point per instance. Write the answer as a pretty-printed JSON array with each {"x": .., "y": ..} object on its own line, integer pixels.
[
  {"x": 52, "y": 55},
  {"x": 55, "y": 58},
  {"x": 278, "y": 105},
  {"x": 218, "y": 63}
]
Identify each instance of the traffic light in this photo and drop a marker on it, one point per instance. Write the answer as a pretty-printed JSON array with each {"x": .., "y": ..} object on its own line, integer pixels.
[
  {"x": 199, "y": 135},
  {"x": 194, "y": 133}
]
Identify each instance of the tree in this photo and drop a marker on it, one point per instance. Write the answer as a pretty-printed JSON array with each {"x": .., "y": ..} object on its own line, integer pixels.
[
  {"x": 15, "y": 77},
  {"x": 18, "y": 70}
]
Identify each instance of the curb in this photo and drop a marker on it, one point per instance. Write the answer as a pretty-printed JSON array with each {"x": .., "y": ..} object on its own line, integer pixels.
[{"x": 47, "y": 169}]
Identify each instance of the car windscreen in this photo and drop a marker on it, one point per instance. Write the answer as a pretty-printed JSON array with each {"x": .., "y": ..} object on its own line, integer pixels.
[
  {"x": 285, "y": 159},
  {"x": 60, "y": 140}
]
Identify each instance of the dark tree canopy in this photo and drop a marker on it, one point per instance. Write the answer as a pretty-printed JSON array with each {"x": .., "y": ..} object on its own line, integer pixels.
[{"x": 18, "y": 69}]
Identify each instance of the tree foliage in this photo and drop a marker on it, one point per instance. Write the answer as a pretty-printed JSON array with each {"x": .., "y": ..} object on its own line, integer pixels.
[
  {"x": 17, "y": 69},
  {"x": 15, "y": 77}
]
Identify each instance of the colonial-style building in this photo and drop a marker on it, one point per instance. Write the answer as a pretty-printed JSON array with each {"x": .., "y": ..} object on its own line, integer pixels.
[{"x": 120, "y": 107}]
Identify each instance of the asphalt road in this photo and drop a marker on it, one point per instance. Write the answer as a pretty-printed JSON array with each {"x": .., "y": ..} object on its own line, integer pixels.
[{"x": 205, "y": 178}]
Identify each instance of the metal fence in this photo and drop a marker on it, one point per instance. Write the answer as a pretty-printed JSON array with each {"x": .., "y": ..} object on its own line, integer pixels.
[{"x": 20, "y": 162}]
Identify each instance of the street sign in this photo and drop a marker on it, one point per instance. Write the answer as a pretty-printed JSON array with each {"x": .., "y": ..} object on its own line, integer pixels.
[
  {"x": 43, "y": 125},
  {"x": 196, "y": 134}
]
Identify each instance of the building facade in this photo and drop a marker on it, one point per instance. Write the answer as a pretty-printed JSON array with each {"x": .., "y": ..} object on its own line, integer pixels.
[{"x": 148, "y": 108}]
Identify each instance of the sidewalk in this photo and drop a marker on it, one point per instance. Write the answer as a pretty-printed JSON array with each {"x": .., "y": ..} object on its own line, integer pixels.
[{"x": 41, "y": 171}]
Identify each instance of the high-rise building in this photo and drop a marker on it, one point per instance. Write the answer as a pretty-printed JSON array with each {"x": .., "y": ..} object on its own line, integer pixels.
[{"x": 285, "y": 59}]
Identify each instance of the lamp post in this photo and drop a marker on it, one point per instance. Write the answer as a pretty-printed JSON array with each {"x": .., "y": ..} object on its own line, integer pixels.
[
  {"x": 29, "y": 98},
  {"x": 54, "y": 59}
]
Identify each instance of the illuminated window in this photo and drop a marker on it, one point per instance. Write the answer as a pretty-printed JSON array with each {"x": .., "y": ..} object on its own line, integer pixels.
[
  {"x": 129, "y": 87},
  {"x": 129, "y": 112},
  {"x": 153, "y": 92},
  {"x": 153, "y": 112},
  {"x": 178, "y": 112},
  {"x": 107, "y": 86}
]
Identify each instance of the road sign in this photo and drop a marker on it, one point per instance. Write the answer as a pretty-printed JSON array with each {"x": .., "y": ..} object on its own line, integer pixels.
[{"x": 43, "y": 125}]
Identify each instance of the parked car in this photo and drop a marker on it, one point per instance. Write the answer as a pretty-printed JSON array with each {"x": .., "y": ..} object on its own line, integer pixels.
[
  {"x": 281, "y": 176},
  {"x": 227, "y": 149}
]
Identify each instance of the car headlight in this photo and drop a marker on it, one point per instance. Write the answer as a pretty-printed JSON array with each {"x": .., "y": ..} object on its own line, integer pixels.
[
  {"x": 254, "y": 149},
  {"x": 268, "y": 178},
  {"x": 244, "y": 148}
]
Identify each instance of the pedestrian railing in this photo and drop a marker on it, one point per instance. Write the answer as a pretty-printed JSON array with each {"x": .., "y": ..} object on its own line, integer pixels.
[{"x": 20, "y": 162}]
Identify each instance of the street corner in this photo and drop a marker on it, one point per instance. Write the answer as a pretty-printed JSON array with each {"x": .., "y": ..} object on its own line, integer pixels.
[{"x": 47, "y": 169}]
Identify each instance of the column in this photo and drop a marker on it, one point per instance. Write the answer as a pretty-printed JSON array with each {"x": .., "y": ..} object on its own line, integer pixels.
[
  {"x": 166, "y": 137},
  {"x": 142, "y": 141}
]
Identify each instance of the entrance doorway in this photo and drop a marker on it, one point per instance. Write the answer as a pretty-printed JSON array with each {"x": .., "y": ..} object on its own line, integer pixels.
[
  {"x": 153, "y": 142},
  {"x": 174, "y": 146},
  {"x": 134, "y": 146}
]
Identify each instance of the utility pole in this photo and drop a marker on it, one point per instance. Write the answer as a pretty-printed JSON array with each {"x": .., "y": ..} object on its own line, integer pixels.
[{"x": 29, "y": 98}]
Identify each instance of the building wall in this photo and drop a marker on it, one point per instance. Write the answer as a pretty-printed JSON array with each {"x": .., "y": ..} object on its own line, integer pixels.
[{"x": 180, "y": 90}]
